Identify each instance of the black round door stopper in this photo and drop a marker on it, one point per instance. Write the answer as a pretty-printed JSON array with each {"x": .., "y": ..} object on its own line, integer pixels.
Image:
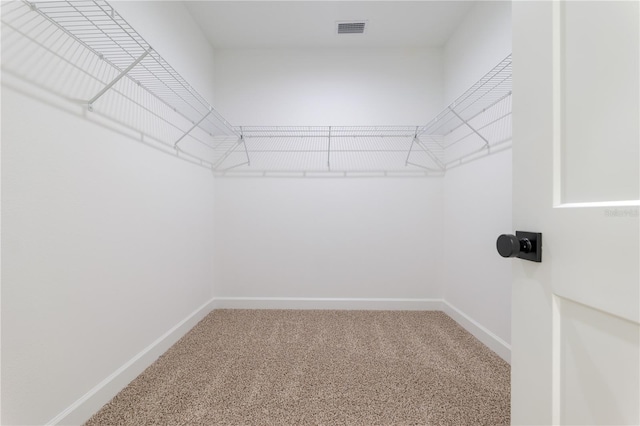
[{"x": 509, "y": 245}]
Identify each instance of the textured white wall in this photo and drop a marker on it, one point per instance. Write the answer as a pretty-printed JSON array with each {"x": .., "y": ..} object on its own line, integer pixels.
[
  {"x": 106, "y": 243},
  {"x": 477, "y": 200},
  {"x": 328, "y": 87},
  {"x": 329, "y": 237}
]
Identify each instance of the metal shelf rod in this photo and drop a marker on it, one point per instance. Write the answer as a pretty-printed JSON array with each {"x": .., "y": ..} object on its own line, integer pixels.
[
  {"x": 486, "y": 142},
  {"x": 115, "y": 80},
  {"x": 192, "y": 127}
]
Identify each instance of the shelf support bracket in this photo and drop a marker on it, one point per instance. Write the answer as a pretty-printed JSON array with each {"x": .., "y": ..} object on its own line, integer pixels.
[
  {"x": 246, "y": 150},
  {"x": 115, "y": 80},
  {"x": 228, "y": 153},
  {"x": 175, "y": 145},
  {"x": 431, "y": 155},
  {"x": 486, "y": 142},
  {"x": 415, "y": 136}
]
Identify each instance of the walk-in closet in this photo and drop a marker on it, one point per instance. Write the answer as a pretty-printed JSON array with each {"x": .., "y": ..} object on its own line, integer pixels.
[{"x": 276, "y": 212}]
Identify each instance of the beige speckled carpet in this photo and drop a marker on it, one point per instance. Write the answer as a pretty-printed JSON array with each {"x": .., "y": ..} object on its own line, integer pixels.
[{"x": 274, "y": 367}]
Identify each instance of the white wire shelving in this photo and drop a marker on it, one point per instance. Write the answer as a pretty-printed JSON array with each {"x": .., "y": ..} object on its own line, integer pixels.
[
  {"x": 101, "y": 62},
  {"x": 478, "y": 122},
  {"x": 339, "y": 150},
  {"x": 85, "y": 52}
]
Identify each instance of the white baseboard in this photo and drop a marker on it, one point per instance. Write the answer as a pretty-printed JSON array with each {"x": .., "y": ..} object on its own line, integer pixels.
[
  {"x": 493, "y": 342},
  {"x": 327, "y": 303},
  {"x": 81, "y": 410}
]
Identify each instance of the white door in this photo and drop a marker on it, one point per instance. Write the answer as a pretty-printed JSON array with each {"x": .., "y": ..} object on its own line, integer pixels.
[{"x": 576, "y": 132}]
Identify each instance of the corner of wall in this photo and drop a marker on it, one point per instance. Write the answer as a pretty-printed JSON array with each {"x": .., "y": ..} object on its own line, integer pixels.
[
  {"x": 477, "y": 289},
  {"x": 489, "y": 339}
]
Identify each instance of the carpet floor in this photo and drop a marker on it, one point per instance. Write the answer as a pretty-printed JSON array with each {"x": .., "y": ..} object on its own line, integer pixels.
[{"x": 288, "y": 367}]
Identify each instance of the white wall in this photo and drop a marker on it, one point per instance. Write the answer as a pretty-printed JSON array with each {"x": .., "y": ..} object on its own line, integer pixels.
[
  {"x": 477, "y": 196},
  {"x": 477, "y": 208},
  {"x": 356, "y": 238},
  {"x": 328, "y": 87},
  {"x": 106, "y": 247},
  {"x": 328, "y": 238}
]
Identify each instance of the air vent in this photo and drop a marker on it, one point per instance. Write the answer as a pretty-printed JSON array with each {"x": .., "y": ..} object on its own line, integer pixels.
[{"x": 351, "y": 27}]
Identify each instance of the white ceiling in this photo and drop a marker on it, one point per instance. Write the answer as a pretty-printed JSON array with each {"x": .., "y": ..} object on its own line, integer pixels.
[{"x": 277, "y": 24}]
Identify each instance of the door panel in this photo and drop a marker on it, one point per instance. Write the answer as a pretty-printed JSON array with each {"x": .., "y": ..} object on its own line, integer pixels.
[
  {"x": 599, "y": 356},
  {"x": 596, "y": 137},
  {"x": 599, "y": 90},
  {"x": 576, "y": 133},
  {"x": 592, "y": 251}
]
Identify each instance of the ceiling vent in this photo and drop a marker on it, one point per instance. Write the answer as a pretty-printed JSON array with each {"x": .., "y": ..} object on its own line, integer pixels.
[{"x": 351, "y": 27}]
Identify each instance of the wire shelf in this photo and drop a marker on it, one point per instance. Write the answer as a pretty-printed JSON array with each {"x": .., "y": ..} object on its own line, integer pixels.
[
  {"x": 103, "y": 63},
  {"x": 331, "y": 149},
  {"x": 477, "y": 121},
  {"x": 85, "y": 52}
]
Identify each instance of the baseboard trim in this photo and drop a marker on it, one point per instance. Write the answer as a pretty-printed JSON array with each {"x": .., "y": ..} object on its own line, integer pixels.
[
  {"x": 493, "y": 342},
  {"x": 327, "y": 303},
  {"x": 82, "y": 409}
]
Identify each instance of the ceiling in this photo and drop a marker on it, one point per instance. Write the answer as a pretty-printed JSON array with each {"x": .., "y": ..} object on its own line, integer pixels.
[{"x": 312, "y": 24}]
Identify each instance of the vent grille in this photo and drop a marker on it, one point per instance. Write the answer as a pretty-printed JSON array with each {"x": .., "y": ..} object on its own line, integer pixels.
[{"x": 351, "y": 27}]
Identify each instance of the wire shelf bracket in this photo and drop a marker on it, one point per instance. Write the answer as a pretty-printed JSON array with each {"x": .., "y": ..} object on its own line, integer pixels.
[
  {"x": 115, "y": 80},
  {"x": 230, "y": 151},
  {"x": 193, "y": 127},
  {"x": 434, "y": 158},
  {"x": 466, "y": 123},
  {"x": 246, "y": 150}
]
